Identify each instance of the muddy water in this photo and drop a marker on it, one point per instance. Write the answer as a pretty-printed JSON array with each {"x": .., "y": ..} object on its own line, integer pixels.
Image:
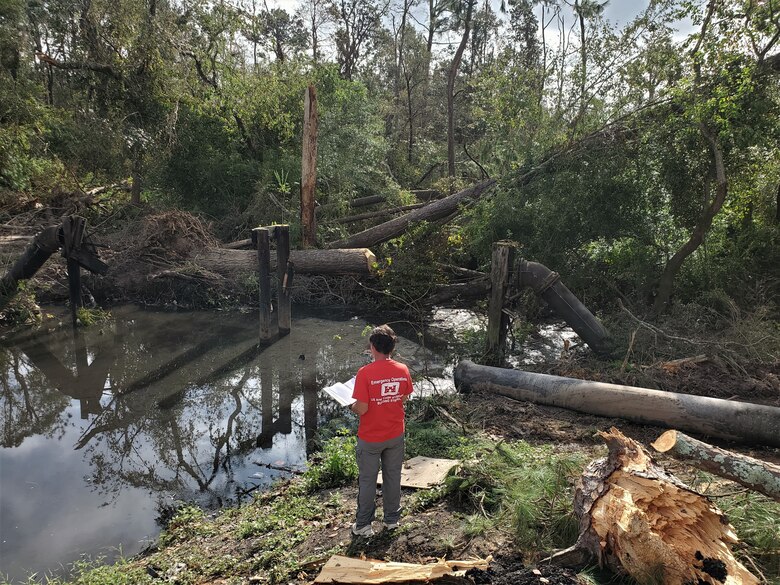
[{"x": 104, "y": 430}]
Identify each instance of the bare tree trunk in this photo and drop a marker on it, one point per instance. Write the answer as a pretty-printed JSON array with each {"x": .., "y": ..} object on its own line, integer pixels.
[
  {"x": 757, "y": 475},
  {"x": 453, "y": 72},
  {"x": 715, "y": 417},
  {"x": 231, "y": 263},
  {"x": 431, "y": 212},
  {"x": 309, "y": 169},
  {"x": 666, "y": 282}
]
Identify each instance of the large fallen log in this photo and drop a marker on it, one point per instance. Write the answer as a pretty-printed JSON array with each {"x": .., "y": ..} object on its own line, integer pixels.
[
  {"x": 726, "y": 419},
  {"x": 230, "y": 263},
  {"x": 431, "y": 212},
  {"x": 757, "y": 475},
  {"x": 638, "y": 519}
]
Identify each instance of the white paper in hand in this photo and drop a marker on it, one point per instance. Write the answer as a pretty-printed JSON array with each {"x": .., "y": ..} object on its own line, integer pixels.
[{"x": 341, "y": 392}]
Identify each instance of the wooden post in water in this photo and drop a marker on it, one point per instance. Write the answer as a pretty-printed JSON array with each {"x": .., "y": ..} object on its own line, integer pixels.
[
  {"x": 309, "y": 169},
  {"x": 284, "y": 272},
  {"x": 72, "y": 236},
  {"x": 261, "y": 237},
  {"x": 498, "y": 321}
]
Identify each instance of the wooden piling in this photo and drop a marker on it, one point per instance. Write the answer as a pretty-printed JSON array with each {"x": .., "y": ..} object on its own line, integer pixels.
[
  {"x": 284, "y": 274},
  {"x": 498, "y": 320},
  {"x": 74, "y": 288},
  {"x": 262, "y": 238}
]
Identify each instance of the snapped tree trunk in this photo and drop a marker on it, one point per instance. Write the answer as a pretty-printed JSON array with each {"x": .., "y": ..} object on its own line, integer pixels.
[
  {"x": 642, "y": 521},
  {"x": 309, "y": 169},
  {"x": 431, "y": 212}
]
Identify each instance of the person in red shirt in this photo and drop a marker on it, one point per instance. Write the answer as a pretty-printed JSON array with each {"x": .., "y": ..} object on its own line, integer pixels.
[{"x": 381, "y": 389}]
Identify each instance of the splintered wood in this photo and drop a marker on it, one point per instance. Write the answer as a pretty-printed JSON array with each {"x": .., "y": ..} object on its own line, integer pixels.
[
  {"x": 640, "y": 520},
  {"x": 347, "y": 570}
]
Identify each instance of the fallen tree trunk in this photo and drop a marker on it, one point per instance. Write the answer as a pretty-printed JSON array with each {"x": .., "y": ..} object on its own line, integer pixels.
[
  {"x": 638, "y": 519},
  {"x": 379, "y": 213},
  {"x": 739, "y": 421},
  {"x": 45, "y": 243},
  {"x": 359, "y": 202},
  {"x": 431, "y": 212},
  {"x": 230, "y": 263},
  {"x": 757, "y": 475}
]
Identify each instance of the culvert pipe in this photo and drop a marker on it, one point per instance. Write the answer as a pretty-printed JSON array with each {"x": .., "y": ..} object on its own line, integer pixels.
[
  {"x": 547, "y": 284},
  {"x": 725, "y": 419},
  {"x": 44, "y": 244}
]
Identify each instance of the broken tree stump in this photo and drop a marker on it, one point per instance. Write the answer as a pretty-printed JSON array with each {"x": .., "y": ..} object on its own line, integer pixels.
[
  {"x": 757, "y": 475},
  {"x": 642, "y": 521}
]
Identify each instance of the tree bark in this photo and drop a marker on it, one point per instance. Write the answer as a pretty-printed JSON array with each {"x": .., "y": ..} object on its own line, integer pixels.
[
  {"x": 231, "y": 263},
  {"x": 739, "y": 421},
  {"x": 309, "y": 169},
  {"x": 757, "y": 475},
  {"x": 379, "y": 213},
  {"x": 452, "y": 74},
  {"x": 359, "y": 202},
  {"x": 642, "y": 521},
  {"x": 431, "y": 212}
]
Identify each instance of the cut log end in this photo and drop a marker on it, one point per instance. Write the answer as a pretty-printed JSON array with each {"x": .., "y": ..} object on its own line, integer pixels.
[{"x": 665, "y": 442}]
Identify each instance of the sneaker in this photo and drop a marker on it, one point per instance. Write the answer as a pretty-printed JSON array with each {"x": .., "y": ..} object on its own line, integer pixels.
[
  {"x": 365, "y": 531},
  {"x": 390, "y": 526}
]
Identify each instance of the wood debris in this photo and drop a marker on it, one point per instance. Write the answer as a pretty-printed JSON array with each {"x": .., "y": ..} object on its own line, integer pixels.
[
  {"x": 346, "y": 570},
  {"x": 640, "y": 520}
]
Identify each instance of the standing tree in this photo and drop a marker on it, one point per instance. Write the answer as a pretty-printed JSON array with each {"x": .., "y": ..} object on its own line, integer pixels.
[
  {"x": 462, "y": 12},
  {"x": 731, "y": 100},
  {"x": 357, "y": 21}
]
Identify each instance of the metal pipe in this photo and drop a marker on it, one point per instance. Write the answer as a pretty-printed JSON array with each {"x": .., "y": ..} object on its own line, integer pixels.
[{"x": 547, "y": 284}]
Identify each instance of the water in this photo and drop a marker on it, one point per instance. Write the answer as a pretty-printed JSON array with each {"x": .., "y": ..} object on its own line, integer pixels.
[{"x": 105, "y": 429}]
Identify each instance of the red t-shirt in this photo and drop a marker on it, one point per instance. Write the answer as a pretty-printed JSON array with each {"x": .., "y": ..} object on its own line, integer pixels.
[{"x": 382, "y": 385}]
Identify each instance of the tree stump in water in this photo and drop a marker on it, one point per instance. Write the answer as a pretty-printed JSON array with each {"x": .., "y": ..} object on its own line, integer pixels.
[{"x": 638, "y": 519}]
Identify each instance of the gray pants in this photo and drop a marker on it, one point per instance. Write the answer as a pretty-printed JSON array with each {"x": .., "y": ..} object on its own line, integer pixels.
[{"x": 369, "y": 455}]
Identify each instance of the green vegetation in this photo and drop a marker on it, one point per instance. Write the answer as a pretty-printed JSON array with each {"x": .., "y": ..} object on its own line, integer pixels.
[
  {"x": 88, "y": 317},
  {"x": 337, "y": 465},
  {"x": 637, "y": 163},
  {"x": 525, "y": 489}
]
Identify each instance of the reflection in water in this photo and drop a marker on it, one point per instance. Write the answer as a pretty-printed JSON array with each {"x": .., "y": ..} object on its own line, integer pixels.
[{"x": 103, "y": 428}]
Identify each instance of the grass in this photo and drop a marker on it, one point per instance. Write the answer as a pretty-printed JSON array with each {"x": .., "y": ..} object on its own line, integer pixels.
[{"x": 527, "y": 489}]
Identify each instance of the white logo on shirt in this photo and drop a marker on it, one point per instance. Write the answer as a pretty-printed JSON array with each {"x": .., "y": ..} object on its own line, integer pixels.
[{"x": 390, "y": 388}]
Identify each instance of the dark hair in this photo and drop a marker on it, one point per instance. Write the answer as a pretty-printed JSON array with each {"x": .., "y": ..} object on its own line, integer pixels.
[{"x": 383, "y": 339}]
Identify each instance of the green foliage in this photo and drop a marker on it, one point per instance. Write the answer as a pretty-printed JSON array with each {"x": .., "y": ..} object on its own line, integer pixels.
[
  {"x": 188, "y": 522},
  {"x": 338, "y": 465},
  {"x": 430, "y": 439},
  {"x": 528, "y": 488},
  {"x": 95, "y": 572},
  {"x": 23, "y": 308},
  {"x": 87, "y": 317}
]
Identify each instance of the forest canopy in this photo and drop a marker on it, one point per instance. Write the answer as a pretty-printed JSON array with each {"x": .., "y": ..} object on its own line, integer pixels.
[{"x": 640, "y": 158}]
